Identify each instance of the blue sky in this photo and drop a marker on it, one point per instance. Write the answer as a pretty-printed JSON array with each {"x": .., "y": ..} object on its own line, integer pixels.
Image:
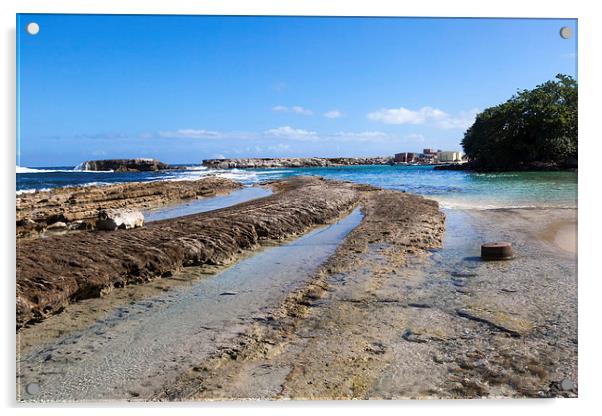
[{"x": 186, "y": 88}]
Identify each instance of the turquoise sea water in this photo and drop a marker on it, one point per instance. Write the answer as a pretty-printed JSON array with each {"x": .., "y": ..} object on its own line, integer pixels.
[{"x": 453, "y": 189}]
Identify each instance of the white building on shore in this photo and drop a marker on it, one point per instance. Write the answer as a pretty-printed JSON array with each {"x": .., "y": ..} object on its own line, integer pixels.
[{"x": 449, "y": 156}]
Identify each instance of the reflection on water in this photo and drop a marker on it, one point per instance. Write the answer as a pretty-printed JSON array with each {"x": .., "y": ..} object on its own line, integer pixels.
[{"x": 206, "y": 204}]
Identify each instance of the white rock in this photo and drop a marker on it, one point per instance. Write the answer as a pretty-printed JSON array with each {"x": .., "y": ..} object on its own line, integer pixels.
[
  {"x": 57, "y": 226},
  {"x": 113, "y": 219}
]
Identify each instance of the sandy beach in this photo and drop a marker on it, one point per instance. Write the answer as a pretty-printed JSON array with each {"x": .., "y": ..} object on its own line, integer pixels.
[{"x": 563, "y": 234}]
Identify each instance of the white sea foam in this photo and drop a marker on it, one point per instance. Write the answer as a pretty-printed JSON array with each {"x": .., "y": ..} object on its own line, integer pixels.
[
  {"x": 195, "y": 174},
  {"x": 22, "y": 169},
  {"x": 31, "y": 191},
  {"x": 83, "y": 185},
  {"x": 196, "y": 168},
  {"x": 271, "y": 172}
]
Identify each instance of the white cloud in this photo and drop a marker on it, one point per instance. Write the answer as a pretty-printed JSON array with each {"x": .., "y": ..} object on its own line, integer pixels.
[
  {"x": 403, "y": 115},
  {"x": 416, "y": 137},
  {"x": 271, "y": 149},
  {"x": 462, "y": 121},
  {"x": 300, "y": 110},
  {"x": 297, "y": 109},
  {"x": 279, "y": 147},
  {"x": 424, "y": 115},
  {"x": 287, "y": 132},
  {"x": 206, "y": 134},
  {"x": 363, "y": 136},
  {"x": 333, "y": 114},
  {"x": 190, "y": 134}
]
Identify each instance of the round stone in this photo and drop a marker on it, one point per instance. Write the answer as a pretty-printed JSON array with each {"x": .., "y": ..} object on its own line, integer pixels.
[
  {"x": 496, "y": 251},
  {"x": 566, "y": 384}
]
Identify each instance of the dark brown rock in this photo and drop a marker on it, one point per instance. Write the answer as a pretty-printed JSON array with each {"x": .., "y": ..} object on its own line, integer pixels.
[
  {"x": 124, "y": 165},
  {"x": 54, "y": 271},
  {"x": 78, "y": 207}
]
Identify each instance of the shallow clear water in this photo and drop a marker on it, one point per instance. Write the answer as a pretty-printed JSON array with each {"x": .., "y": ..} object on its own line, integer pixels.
[
  {"x": 206, "y": 204},
  {"x": 453, "y": 189},
  {"x": 139, "y": 347}
]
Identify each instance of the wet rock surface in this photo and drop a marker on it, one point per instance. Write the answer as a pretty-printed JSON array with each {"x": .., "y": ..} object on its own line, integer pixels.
[
  {"x": 78, "y": 207},
  {"x": 53, "y": 271},
  {"x": 326, "y": 339},
  {"x": 143, "y": 344},
  {"x": 385, "y": 321}
]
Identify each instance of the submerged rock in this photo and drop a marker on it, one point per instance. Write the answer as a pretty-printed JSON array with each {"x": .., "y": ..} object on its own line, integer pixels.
[{"x": 498, "y": 320}]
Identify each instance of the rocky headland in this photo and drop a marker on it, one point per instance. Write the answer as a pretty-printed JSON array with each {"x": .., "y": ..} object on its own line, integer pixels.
[
  {"x": 295, "y": 162},
  {"x": 124, "y": 165},
  {"x": 77, "y": 208}
]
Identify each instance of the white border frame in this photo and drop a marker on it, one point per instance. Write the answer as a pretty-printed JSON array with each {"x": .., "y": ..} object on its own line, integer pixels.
[{"x": 590, "y": 29}]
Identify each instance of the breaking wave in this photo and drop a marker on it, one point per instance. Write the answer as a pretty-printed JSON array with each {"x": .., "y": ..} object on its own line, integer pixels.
[{"x": 22, "y": 169}]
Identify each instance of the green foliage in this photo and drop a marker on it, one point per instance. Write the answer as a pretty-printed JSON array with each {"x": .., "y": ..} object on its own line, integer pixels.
[{"x": 537, "y": 126}]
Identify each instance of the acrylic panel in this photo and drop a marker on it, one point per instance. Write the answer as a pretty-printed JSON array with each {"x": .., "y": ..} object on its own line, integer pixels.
[{"x": 251, "y": 207}]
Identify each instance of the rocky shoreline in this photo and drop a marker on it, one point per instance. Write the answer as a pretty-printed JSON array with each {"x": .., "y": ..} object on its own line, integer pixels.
[
  {"x": 53, "y": 271},
  {"x": 125, "y": 165},
  {"x": 295, "y": 162},
  {"x": 384, "y": 317},
  {"x": 77, "y": 208},
  {"x": 79, "y": 343}
]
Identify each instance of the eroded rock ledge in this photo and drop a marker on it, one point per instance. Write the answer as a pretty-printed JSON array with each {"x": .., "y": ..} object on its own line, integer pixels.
[
  {"x": 78, "y": 207},
  {"x": 295, "y": 162},
  {"x": 54, "y": 271}
]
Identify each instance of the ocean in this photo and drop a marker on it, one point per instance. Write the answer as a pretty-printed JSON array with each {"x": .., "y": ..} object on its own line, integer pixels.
[{"x": 452, "y": 189}]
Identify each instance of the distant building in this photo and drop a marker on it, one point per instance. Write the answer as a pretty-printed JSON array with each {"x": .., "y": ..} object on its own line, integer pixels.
[
  {"x": 427, "y": 157},
  {"x": 429, "y": 151},
  {"x": 449, "y": 156},
  {"x": 405, "y": 157}
]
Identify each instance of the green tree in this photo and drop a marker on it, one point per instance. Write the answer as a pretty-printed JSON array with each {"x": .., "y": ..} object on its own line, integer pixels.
[{"x": 535, "y": 127}]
